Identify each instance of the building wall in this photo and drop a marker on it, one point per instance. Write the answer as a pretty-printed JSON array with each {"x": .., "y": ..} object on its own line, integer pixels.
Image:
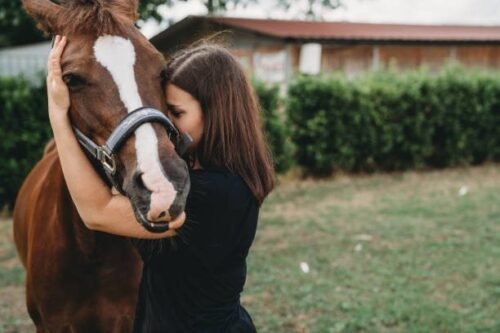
[
  {"x": 351, "y": 59},
  {"x": 408, "y": 57},
  {"x": 264, "y": 57},
  {"x": 479, "y": 56},
  {"x": 356, "y": 59},
  {"x": 29, "y": 61}
]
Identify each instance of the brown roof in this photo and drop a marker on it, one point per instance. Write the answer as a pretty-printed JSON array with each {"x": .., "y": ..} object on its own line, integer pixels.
[
  {"x": 361, "y": 31},
  {"x": 307, "y": 31}
]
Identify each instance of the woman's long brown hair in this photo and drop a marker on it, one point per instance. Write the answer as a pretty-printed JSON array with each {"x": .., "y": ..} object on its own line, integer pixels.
[{"x": 233, "y": 137}]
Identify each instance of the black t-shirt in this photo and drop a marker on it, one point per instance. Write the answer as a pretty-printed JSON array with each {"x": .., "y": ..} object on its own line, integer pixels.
[{"x": 194, "y": 285}]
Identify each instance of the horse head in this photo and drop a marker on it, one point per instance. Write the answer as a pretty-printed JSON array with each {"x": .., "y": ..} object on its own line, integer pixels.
[{"x": 111, "y": 70}]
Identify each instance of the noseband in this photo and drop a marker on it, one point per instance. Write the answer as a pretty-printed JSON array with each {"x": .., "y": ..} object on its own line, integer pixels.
[{"x": 104, "y": 155}]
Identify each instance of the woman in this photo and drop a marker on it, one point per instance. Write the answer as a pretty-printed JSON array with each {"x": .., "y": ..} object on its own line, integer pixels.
[{"x": 195, "y": 285}]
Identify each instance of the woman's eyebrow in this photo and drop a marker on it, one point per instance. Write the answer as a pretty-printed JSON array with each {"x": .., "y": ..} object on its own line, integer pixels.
[{"x": 175, "y": 107}]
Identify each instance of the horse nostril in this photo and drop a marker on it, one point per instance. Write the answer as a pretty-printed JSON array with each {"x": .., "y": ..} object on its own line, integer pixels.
[
  {"x": 162, "y": 214},
  {"x": 138, "y": 181}
]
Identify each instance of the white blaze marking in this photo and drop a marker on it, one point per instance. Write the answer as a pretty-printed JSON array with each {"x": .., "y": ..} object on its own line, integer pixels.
[{"x": 117, "y": 55}]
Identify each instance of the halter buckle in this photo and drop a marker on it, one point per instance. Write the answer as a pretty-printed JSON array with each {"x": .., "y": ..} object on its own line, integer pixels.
[{"x": 107, "y": 160}]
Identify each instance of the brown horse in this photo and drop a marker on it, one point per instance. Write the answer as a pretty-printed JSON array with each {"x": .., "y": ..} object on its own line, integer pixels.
[{"x": 78, "y": 280}]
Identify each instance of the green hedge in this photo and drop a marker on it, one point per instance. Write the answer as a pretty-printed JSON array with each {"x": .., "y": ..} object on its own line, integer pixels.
[
  {"x": 388, "y": 121},
  {"x": 24, "y": 131},
  {"x": 381, "y": 121},
  {"x": 274, "y": 126}
]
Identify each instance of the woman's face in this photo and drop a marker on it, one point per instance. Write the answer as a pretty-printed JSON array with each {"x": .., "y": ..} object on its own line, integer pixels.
[{"x": 185, "y": 112}]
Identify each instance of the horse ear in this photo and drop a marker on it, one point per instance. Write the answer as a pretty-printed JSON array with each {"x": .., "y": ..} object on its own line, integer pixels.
[{"x": 45, "y": 14}]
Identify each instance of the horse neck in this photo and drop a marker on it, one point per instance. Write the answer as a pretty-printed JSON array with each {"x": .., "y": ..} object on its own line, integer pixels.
[{"x": 69, "y": 221}]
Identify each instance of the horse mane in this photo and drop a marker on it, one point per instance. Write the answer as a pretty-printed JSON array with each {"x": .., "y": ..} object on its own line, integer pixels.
[
  {"x": 96, "y": 17},
  {"x": 50, "y": 146}
]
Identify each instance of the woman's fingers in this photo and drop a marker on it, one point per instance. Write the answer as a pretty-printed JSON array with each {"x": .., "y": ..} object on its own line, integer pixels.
[
  {"x": 58, "y": 47},
  {"x": 57, "y": 90},
  {"x": 54, "y": 65},
  {"x": 178, "y": 222}
]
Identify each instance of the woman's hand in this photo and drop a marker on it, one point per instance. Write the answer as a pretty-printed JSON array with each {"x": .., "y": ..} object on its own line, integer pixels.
[{"x": 57, "y": 90}]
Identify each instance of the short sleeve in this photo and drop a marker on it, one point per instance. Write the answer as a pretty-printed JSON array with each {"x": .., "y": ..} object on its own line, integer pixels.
[{"x": 222, "y": 217}]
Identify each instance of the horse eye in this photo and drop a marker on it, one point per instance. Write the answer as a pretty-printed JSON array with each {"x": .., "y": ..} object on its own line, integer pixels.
[{"x": 74, "y": 81}]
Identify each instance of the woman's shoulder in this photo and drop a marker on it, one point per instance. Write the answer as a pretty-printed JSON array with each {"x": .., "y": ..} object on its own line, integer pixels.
[
  {"x": 222, "y": 206},
  {"x": 220, "y": 188},
  {"x": 218, "y": 179}
]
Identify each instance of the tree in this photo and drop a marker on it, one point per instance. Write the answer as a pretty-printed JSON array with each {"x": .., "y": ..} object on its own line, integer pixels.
[
  {"x": 216, "y": 6},
  {"x": 148, "y": 8},
  {"x": 16, "y": 28},
  {"x": 314, "y": 7}
]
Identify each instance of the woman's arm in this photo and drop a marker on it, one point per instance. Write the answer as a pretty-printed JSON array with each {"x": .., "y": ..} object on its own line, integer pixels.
[{"x": 98, "y": 207}]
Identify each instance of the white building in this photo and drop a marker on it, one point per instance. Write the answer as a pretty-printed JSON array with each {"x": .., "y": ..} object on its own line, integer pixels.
[{"x": 29, "y": 61}]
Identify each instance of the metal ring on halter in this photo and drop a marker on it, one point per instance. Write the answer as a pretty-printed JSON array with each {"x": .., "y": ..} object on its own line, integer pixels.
[{"x": 107, "y": 160}]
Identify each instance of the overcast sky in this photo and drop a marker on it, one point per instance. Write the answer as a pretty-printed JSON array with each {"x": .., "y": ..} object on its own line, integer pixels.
[{"x": 475, "y": 12}]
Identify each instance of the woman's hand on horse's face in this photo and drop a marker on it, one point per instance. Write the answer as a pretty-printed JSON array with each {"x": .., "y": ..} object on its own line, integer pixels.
[
  {"x": 177, "y": 223},
  {"x": 57, "y": 90}
]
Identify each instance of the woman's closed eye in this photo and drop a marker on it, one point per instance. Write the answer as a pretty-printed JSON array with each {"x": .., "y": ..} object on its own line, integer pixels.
[
  {"x": 174, "y": 111},
  {"x": 175, "y": 114}
]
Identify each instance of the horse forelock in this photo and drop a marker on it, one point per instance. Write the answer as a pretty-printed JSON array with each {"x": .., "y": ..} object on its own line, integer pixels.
[{"x": 94, "y": 18}]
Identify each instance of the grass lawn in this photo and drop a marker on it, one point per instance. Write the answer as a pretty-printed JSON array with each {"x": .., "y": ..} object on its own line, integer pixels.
[{"x": 408, "y": 252}]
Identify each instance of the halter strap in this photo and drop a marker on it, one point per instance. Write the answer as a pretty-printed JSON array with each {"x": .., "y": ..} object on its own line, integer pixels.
[{"x": 105, "y": 154}]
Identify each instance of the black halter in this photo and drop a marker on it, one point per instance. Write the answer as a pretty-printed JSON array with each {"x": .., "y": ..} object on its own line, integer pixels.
[{"x": 105, "y": 154}]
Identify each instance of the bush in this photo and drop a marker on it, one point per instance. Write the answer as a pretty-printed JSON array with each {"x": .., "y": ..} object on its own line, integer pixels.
[
  {"x": 388, "y": 121},
  {"x": 274, "y": 126},
  {"x": 24, "y": 131},
  {"x": 382, "y": 121}
]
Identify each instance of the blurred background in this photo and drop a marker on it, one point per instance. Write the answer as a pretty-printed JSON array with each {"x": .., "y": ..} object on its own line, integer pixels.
[{"x": 383, "y": 117}]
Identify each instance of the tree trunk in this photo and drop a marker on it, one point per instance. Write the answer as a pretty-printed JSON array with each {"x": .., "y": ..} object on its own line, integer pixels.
[{"x": 210, "y": 7}]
